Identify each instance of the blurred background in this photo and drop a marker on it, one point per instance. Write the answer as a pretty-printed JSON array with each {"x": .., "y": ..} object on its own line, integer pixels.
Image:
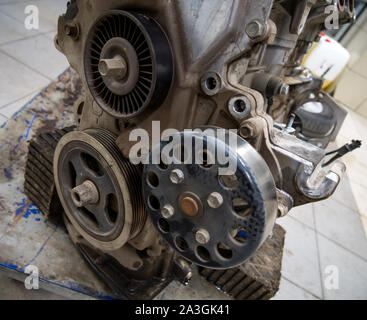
[{"x": 329, "y": 233}]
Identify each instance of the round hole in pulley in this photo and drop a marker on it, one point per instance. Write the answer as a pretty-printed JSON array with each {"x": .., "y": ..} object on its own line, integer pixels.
[
  {"x": 181, "y": 244},
  {"x": 154, "y": 203},
  {"x": 241, "y": 207},
  {"x": 203, "y": 253},
  {"x": 152, "y": 179},
  {"x": 224, "y": 251},
  {"x": 163, "y": 225},
  {"x": 240, "y": 235}
]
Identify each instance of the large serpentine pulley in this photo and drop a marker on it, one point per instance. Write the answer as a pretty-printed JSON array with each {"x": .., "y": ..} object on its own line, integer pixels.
[
  {"x": 128, "y": 63},
  {"x": 99, "y": 189},
  {"x": 214, "y": 219}
]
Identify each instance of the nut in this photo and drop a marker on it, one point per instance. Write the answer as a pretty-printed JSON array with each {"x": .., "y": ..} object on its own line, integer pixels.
[
  {"x": 177, "y": 176},
  {"x": 168, "y": 211},
  {"x": 202, "y": 236},
  {"x": 215, "y": 200}
]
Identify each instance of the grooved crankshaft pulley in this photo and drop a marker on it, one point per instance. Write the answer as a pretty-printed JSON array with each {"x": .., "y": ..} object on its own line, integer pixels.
[
  {"x": 128, "y": 63},
  {"x": 213, "y": 219},
  {"x": 98, "y": 188}
]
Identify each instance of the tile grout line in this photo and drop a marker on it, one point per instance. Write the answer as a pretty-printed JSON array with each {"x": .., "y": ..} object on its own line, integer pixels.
[
  {"x": 360, "y": 106},
  {"x": 27, "y": 38},
  {"x": 30, "y": 68},
  {"x": 17, "y": 100},
  {"x": 318, "y": 253},
  {"x": 359, "y": 74},
  {"x": 327, "y": 238},
  {"x": 303, "y": 289},
  {"x": 15, "y": 2}
]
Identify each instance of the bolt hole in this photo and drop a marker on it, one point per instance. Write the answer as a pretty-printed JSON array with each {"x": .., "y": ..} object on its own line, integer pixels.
[
  {"x": 154, "y": 203},
  {"x": 203, "y": 253},
  {"x": 181, "y": 244},
  {"x": 241, "y": 207},
  {"x": 224, "y": 251},
  {"x": 163, "y": 225},
  {"x": 152, "y": 179},
  {"x": 239, "y": 106},
  {"x": 211, "y": 83}
]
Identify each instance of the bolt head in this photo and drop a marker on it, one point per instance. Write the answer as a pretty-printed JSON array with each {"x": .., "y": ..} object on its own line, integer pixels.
[
  {"x": 168, "y": 211},
  {"x": 284, "y": 89},
  {"x": 202, "y": 236},
  {"x": 114, "y": 68},
  {"x": 247, "y": 131},
  {"x": 177, "y": 176},
  {"x": 215, "y": 200},
  {"x": 255, "y": 29}
]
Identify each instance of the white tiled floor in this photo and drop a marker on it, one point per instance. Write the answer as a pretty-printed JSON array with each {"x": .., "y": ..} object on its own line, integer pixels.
[
  {"x": 28, "y": 58},
  {"x": 331, "y": 233}
]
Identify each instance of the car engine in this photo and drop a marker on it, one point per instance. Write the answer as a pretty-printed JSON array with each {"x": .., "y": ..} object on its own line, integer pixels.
[{"x": 187, "y": 68}]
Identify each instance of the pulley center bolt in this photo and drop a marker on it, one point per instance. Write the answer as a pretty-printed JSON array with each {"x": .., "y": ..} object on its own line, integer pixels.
[
  {"x": 189, "y": 206},
  {"x": 114, "y": 68},
  {"x": 85, "y": 194},
  {"x": 177, "y": 176},
  {"x": 168, "y": 211},
  {"x": 215, "y": 200},
  {"x": 202, "y": 236}
]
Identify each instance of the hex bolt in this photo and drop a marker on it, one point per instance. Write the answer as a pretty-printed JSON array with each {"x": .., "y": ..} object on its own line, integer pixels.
[
  {"x": 284, "y": 89},
  {"x": 215, "y": 200},
  {"x": 202, "y": 236},
  {"x": 85, "y": 194},
  {"x": 168, "y": 211},
  {"x": 247, "y": 131},
  {"x": 289, "y": 128},
  {"x": 114, "y": 68},
  {"x": 256, "y": 29},
  {"x": 177, "y": 176}
]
